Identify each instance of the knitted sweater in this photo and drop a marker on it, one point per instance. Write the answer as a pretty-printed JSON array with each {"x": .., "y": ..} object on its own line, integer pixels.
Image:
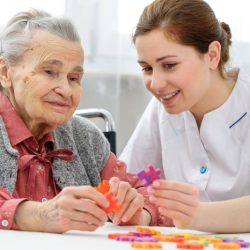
[{"x": 90, "y": 147}]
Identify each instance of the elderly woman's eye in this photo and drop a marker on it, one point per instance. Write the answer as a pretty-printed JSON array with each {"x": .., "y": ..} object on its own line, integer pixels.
[
  {"x": 74, "y": 79},
  {"x": 49, "y": 72}
]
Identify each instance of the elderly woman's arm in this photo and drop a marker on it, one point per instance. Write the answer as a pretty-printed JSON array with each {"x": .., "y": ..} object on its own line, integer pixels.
[
  {"x": 74, "y": 208},
  {"x": 8, "y": 205}
]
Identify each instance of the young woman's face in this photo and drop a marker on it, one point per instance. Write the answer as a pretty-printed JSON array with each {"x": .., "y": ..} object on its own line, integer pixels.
[{"x": 177, "y": 75}]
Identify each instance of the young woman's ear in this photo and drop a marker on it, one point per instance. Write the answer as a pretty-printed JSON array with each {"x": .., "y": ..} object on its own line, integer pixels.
[
  {"x": 214, "y": 54},
  {"x": 4, "y": 74}
]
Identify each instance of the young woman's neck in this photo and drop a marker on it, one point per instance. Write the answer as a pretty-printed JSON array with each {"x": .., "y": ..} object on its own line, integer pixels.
[{"x": 219, "y": 91}]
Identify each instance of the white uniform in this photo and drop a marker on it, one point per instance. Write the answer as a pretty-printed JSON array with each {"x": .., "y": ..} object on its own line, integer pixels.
[{"x": 216, "y": 158}]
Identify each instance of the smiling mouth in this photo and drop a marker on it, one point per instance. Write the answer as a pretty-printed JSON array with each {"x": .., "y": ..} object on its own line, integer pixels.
[
  {"x": 59, "y": 104},
  {"x": 59, "y": 107},
  {"x": 169, "y": 95}
]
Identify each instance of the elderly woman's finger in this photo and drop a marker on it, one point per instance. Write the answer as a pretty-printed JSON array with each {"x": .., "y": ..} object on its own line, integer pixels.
[
  {"x": 87, "y": 192},
  {"x": 132, "y": 203},
  {"x": 123, "y": 188},
  {"x": 114, "y": 185},
  {"x": 135, "y": 205}
]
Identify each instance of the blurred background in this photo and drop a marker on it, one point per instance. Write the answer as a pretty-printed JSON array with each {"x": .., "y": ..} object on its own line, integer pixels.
[{"x": 112, "y": 77}]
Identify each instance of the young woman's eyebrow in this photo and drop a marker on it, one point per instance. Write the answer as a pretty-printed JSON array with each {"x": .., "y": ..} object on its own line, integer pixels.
[{"x": 158, "y": 59}]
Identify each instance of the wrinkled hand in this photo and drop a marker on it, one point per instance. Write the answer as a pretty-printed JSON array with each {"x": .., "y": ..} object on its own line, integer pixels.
[
  {"x": 132, "y": 212},
  {"x": 74, "y": 208},
  {"x": 175, "y": 200}
]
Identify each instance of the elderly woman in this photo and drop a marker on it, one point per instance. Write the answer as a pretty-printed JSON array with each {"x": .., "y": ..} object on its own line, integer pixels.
[{"x": 51, "y": 161}]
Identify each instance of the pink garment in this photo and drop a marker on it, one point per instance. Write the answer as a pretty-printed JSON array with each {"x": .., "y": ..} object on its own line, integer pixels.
[{"x": 34, "y": 175}]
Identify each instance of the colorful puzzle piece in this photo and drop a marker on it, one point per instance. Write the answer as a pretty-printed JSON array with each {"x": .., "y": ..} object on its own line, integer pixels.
[
  {"x": 189, "y": 246},
  {"x": 242, "y": 243},
  {"x": 147, "y": 230},
  {"x": 169, "y": 238},
  {"x": 226, "y": 245},
  {"x": 136, "y": 238},
  {"x": 141, "y": 234},
  {"x": 115, "y": 235},
  {"x": 114, "y": 205},
  {"x": 103, "y": 187},
  {"x": 146, "y": 245},
  {"x": 149, "y": 175}
]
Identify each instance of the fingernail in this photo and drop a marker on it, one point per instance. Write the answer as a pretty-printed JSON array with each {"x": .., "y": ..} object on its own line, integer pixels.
[
  {"x": 161, "y": 209},
  {"x": 151, "y": 190},
  {"x": 116, "y": 221},
  {"x": 156, "y": 184},
  {"x": 124, "y": 219}
]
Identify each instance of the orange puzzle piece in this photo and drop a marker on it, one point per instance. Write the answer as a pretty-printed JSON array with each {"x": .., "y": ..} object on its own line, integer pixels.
[
  {"x": 114, "y": 205},
  {"x": 103, "y": 187}
]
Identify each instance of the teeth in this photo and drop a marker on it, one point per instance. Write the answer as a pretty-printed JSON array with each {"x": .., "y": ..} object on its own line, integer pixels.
[{"x": 168, "y": 96}]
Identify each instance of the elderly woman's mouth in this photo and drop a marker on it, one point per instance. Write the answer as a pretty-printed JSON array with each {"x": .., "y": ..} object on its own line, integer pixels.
[{"x": 62, "y": 105}]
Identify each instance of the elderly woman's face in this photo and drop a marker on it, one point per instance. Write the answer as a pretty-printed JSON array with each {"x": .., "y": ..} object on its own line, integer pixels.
[{"x": 46, "y": 86}]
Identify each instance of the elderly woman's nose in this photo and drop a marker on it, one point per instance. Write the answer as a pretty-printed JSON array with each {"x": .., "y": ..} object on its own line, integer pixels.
[{"x": 64, "y": 87}]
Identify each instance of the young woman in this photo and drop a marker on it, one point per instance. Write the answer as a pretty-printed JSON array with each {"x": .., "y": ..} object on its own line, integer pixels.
[{"x": 197, "y": 126}]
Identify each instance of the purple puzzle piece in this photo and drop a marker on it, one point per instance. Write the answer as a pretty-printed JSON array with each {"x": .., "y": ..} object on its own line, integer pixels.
[{"x": 149, "y": 175}]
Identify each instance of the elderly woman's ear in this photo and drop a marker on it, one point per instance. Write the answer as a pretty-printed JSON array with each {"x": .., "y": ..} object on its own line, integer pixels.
[{"x": 5, "y": 78}]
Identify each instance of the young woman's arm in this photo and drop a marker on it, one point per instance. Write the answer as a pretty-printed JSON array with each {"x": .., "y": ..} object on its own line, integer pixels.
[
  {"x": 179, "y": 201},
  {"x": 231, "y": 216}
]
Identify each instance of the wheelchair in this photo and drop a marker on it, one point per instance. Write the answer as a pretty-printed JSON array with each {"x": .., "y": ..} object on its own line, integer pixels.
[{"x": 106, "y": 116}]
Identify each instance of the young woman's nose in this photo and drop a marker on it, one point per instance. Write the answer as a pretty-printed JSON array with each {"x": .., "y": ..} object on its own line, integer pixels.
[{"x": 158, "y": 82}]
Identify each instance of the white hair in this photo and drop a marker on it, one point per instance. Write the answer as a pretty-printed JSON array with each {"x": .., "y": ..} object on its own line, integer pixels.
[{"x": 16, "y": 35}]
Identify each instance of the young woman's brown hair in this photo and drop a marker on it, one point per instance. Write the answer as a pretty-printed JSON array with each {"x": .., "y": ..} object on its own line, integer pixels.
[{"x": 190, "y": 23}]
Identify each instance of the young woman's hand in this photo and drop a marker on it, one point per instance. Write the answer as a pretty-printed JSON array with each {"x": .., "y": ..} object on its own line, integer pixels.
[{"x": 175, "y": 200}]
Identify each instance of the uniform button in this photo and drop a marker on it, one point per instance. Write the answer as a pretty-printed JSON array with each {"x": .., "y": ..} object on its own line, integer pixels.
[
  {"x": 203, "y": 169},
  {"x": 44, "y": 199},
  {"x": 4, "y": 223}
]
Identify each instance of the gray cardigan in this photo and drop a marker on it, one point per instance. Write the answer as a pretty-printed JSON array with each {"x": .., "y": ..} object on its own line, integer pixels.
[{"x": 90, "y": 147}]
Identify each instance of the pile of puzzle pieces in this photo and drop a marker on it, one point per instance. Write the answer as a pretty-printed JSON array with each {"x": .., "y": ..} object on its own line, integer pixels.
[{"x": 148, "y": 238}]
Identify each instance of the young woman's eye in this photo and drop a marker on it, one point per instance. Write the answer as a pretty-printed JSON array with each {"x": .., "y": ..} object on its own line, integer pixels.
[
  {"x": 146, "y": 69},
  {"x": 170, "y": 65}
]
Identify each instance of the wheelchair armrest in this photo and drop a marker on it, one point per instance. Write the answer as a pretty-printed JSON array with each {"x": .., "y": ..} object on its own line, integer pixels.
[
  {"x": 95, "y": 113},
  {"x": 109, "y": 132}
]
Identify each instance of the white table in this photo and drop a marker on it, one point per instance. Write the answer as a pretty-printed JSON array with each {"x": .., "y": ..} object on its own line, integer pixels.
[{"x": 77, "y": 240}]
